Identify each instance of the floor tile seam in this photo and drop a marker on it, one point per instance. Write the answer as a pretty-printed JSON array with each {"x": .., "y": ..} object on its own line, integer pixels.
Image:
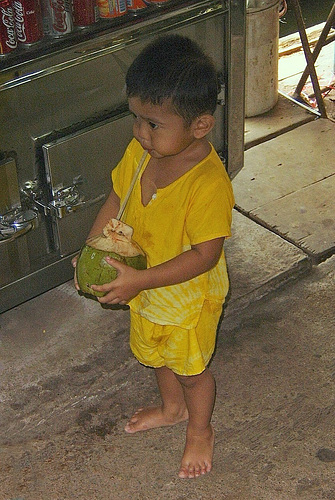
[
  {"x": 274, "y": 135},
  {"x": 295, "y": 191},
  {"x": 272, "y": 229},
  {"x": 314, "y": 258}
]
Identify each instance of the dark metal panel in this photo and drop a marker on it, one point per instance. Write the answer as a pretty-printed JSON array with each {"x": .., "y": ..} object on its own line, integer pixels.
[
  {"x": 75, "y": 87},
  {"x": 35, "y": 283},
  {"x": 236, "y": 85},
  {"x": 83, "y": 160},
  {"x": 9, "y": 187},
  {"x": 68, "y": 100}
]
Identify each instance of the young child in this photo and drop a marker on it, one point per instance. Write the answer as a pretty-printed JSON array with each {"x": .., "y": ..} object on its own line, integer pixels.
[{"x": 180, "y": 209}]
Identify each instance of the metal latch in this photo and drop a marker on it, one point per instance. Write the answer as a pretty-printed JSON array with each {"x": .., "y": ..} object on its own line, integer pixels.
[{"x": 66, "y": 200}]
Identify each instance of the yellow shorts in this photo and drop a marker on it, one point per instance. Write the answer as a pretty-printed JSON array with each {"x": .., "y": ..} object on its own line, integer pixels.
[{"x": 185, "y": 352}]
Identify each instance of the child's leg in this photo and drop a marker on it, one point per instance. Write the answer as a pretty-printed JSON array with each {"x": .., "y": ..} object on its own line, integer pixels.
[
  {"x": 199, "y": 392},
  {"x": 183, "y": 397},
  {"x": 172, "y": 411}
]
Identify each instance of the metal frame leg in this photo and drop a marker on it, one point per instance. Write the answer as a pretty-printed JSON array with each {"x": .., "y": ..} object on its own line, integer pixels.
[
  {"x": 320, "y": 43},
  {"x": 310, "y": 69}
]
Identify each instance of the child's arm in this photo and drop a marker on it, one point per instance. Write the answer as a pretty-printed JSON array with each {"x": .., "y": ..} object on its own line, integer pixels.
[{"x": 129, "y": 282}]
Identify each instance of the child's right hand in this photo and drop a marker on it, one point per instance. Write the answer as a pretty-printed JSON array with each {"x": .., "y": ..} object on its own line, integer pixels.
[
  {"x": 74, "y": 263},
  {"x": 125, "y": 287}
]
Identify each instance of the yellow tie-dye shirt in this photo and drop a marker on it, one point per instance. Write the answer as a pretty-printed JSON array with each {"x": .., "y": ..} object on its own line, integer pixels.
[{"x": 193, "y": 209}]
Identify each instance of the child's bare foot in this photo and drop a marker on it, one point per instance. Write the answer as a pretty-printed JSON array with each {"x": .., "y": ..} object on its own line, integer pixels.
[
  {"x": 198, "y": 454},
  {"x": 151, "y": 418}
]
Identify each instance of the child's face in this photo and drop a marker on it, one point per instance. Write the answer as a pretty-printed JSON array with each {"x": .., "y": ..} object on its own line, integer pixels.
[{"x": 159, "y": 129}]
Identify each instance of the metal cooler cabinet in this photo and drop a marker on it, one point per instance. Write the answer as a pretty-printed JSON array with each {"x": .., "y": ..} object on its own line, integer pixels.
[{"x": 65, "y": 124}]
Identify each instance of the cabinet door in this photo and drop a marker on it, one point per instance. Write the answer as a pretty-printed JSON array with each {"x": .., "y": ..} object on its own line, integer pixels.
[{"x": 78, "y": 169}]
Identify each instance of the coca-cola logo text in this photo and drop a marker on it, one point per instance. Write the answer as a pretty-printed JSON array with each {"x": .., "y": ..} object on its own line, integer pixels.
[
  {"x": 8, "y": 21},
  {"x": 19, "y": 21},
  {"x": 59, "y": 15}
]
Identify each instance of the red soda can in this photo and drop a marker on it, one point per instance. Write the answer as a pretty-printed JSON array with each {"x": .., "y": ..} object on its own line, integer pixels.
[
  {"x": 135, "y": 6},
  {"x": 57, "y": 17},
  {"x": 28, "y": 21},
  {"x": 85, "y": 12},
  {"x": 8, "y": 41},
  {"x": 112, "y": 8}
]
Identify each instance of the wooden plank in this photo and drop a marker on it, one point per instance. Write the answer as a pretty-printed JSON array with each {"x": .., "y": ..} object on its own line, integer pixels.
[
  {"x": 285, "y": 164},
  {"x": 305, "y": 218}
]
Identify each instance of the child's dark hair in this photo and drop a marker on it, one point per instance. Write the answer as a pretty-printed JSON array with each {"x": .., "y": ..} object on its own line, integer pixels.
[{"x": 174, "y": 67}]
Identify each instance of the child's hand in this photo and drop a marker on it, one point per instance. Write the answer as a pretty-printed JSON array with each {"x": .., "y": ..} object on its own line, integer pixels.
[
  {"x": 124, "y": 288},
  {"x": 74, "y": 263}
]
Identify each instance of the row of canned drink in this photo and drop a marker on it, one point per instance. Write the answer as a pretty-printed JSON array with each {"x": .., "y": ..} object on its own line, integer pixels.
[{"x": 26, "y": 22}]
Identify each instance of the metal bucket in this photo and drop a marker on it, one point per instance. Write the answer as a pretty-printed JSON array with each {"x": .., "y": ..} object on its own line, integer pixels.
[{"x": 262, "y": 38}]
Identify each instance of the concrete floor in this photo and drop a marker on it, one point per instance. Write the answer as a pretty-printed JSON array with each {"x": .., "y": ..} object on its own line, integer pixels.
[{"x": 69, "y": 381}]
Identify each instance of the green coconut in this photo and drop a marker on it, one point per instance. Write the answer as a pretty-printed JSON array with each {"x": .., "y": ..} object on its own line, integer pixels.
[{"x": 116, "y": 241}]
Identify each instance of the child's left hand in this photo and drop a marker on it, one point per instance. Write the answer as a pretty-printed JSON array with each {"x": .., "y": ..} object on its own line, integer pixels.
[{"x": 124, "y": 288}]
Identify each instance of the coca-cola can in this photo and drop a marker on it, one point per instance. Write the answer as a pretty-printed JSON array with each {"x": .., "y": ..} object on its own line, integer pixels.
[
  {"x": 28, "y": 21},
  {"x": 8, "y": 41},
  {"x": 57, "y": 17},
  {"x": 112, "y": 8},
  {"x": 135, "y": 6},
  {"x": 85, "y": 12}
]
